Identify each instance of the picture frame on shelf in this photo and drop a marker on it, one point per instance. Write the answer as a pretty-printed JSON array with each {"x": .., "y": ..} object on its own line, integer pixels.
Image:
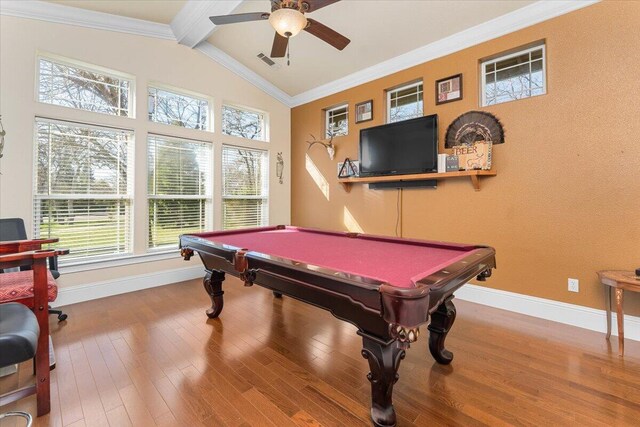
[
  {"x": 348, "y": 168},
  {"x": 449, "y": 89},
  {"x": 364, "y": 111}
]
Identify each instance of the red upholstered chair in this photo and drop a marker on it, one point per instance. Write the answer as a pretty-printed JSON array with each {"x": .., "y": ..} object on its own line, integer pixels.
[
  {"x": 13, "y": 254},
  {"x": 18, "y": 286}
]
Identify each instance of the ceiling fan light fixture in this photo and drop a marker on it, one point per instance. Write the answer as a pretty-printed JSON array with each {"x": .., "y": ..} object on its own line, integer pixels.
[{"x": 287, "y": 22}]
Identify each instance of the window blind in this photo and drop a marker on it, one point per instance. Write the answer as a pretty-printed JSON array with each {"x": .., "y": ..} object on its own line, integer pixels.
[
  {"x": 83, "y": 194},
  {"x": 337, "y": 121},
  {"x": 180, "y": 188},
  {"x": 515, "y": 76},
  {"x": 405, "y": 103},
  {"x": 245, "y": 187}
]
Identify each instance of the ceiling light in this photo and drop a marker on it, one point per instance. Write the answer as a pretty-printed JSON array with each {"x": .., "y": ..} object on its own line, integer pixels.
[{"x": 287, "y": 22}]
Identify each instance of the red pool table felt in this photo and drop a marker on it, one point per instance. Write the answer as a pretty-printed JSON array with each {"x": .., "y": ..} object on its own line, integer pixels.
[{"x": 397, "y": 262}]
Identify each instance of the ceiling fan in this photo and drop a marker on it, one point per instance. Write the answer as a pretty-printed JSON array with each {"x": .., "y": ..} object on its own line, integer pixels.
[{"x": 288, "y": 18}]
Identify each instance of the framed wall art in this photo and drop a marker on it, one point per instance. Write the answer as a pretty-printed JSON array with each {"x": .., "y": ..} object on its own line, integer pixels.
[
  {"x": 364, "y": 111},
  {"x": 449, "y": 89}
]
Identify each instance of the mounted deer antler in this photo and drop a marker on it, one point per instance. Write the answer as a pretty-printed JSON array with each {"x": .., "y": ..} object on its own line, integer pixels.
[{"x": 331, "y": 149}]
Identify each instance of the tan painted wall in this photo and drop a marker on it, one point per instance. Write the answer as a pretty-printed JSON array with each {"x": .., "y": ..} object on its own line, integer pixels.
[
  {"x": 147, "y": 59},
  {"x": 566, "y": 200}
]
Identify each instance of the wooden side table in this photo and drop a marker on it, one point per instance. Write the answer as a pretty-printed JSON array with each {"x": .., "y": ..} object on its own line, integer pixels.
[{"x": 619, "y": 281}]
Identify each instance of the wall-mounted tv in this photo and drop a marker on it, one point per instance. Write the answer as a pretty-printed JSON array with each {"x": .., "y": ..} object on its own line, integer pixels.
[{"x": 400, "y": 148}]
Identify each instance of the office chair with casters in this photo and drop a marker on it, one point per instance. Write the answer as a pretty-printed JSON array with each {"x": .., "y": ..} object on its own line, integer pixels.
[
  {"x": 27, "y": 416},
  {"x": 19, "y": 333},
  {"x": 12, "y": 229},
  {"x": 24, "y": 334}
]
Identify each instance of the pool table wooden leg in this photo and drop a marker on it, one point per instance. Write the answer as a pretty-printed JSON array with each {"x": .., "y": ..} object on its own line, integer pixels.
[
  {"x": 620, "y": 318},
  {"x": 441, "y": 321},
  {"x": 384, "y": 360},
  {"x": 213, "y": 285},
  {"x": 277, "y": 294}
]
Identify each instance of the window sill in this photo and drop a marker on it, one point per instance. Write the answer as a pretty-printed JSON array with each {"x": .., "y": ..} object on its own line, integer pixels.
[{"x": 79, "y": 266}]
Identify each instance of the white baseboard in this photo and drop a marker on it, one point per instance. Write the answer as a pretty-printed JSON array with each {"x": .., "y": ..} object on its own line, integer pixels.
[
  {"x": 569, "y": 314},
  {"x": 90, "y": 291}
]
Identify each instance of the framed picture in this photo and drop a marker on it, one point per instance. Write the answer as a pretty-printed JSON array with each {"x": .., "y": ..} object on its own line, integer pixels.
[
  {"x": 351, "y": 169},
  {"x": 449, "y": 89},
  {"x": 364, "y": 111}
]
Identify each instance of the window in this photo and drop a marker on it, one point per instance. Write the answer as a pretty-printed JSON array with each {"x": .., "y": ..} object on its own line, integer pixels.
[
  {"x": 404, "y": 103},
  {"x": 515, "y": 76},
  {"x": 83, "y": 194},
  {"x": 179, "y": 189},
  {"x": 245, "y": 187},
  {"x": 336, "y": 121},
  {"x": 243, "y": 123},
  {"x": 83, "y": 88},
  {"x": 177, "y": 109}
]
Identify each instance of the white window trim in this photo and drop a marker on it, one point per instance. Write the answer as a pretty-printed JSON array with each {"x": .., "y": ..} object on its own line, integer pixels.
[
  {"x": 399, "y": 88},
  {"x": 168, "y": 88},
  {"x": 493, "y": 60},
  {"x": 211, "y": 217},
  {"x": 265, "y": 122},
  {"x": 131, "y": 113},
  {"x": 326, "y": 119},
  {"x": 95, "y": 262}
]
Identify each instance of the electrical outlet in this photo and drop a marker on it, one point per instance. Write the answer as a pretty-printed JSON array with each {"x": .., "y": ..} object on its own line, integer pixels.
[{"x": 574, "y": 285}]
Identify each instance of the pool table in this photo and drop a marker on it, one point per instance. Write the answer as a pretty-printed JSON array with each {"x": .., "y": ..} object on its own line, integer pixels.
[{"x": 387, "y": 287}]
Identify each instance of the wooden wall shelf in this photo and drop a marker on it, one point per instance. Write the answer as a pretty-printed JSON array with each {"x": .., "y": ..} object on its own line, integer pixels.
[{"x": 474, "y": 175}]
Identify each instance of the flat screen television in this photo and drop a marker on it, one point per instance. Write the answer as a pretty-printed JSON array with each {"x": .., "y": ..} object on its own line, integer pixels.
[{"x": 400, "y": 148}]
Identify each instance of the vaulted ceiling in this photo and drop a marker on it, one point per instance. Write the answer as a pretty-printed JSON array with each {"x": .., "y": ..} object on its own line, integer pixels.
[
  {"x": 379, "y": 30},
  {"x": 386, "y": 35}
]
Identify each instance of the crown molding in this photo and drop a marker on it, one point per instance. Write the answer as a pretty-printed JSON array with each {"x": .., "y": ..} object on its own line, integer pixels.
[
  {"x": 505, "y": 24},
  {"x": 61, "y": 14},
  {"x": 239, "y": 69},
  {"x": 191, "y": 25}
]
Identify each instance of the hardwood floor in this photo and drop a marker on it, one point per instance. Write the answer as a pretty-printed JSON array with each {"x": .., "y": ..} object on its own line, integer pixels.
[{"x": 153, "y": 358}]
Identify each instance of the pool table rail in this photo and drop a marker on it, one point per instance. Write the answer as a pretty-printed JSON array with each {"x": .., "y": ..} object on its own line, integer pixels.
[{"x": 404, "y": 309}]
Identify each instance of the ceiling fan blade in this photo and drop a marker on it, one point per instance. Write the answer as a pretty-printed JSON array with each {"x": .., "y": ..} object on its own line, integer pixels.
[
  {"x": 317, "y": 4},
  {"x": 326, "y": 34},
  {"x": 279, "y": 46},
  {"x": 239, "y": 17}
]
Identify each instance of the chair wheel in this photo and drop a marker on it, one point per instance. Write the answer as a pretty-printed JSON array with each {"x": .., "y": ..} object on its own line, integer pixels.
[{"x": 62, "y": 317}]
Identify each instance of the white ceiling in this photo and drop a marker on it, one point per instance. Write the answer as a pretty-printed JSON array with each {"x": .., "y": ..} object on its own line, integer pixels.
[
  {"x": 378, "y": 30},
  {"x": 386, "y": 35}
]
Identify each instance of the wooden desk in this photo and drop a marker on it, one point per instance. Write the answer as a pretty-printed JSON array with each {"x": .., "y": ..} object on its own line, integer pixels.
[{"x": 618, "y": 280}]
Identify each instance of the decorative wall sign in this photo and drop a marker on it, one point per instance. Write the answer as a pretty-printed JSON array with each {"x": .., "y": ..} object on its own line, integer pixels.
[
  {"x": 474, "y": 126},
  {"x": 474, "y": 156},
  {"x": 449, "y": 89},
  {"x": 364, "y": 111},
  {"x": 453, "y": 164}
]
